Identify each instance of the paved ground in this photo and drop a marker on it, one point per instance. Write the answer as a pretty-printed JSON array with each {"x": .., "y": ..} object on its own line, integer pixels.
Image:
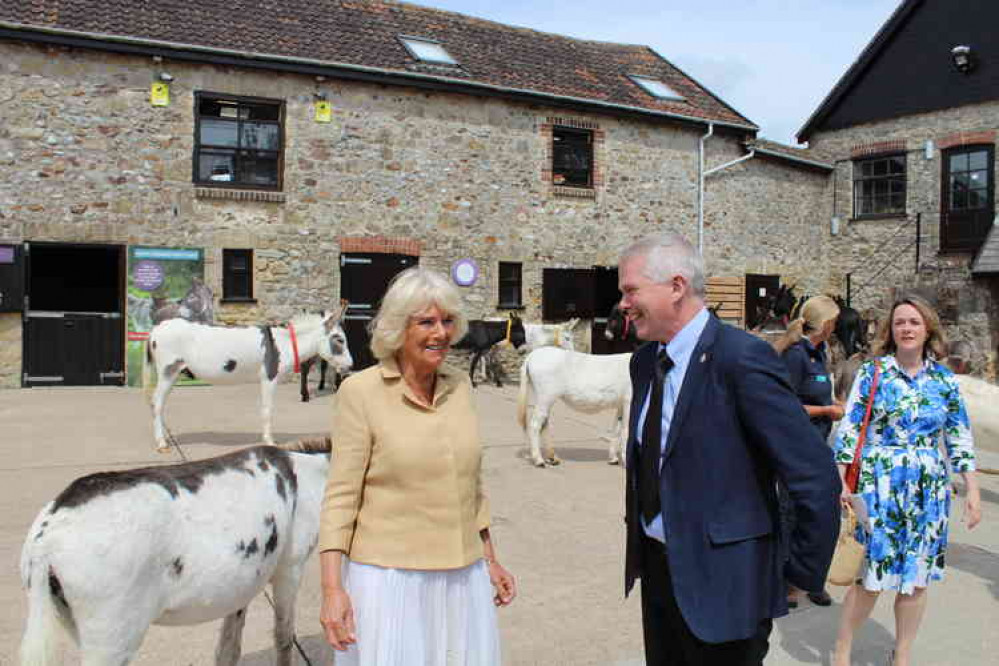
[{"x": 559, "y": 530}]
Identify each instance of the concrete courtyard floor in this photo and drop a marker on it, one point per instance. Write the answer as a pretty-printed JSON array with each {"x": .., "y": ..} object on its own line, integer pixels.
[{"x": 559, "y": 530}]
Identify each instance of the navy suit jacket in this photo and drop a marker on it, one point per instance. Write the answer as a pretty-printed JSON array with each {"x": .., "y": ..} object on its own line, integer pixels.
[{"x": 737, "y": 429}]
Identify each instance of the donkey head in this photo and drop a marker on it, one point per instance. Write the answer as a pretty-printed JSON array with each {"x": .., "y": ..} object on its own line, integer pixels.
[
  {"x": 517, "y": 334},
  {"x": 333, "y": 348},
  {"x": 619, "y": 328}
]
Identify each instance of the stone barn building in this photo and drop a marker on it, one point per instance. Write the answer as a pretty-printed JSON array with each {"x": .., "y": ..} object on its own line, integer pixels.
[
  {"x": 305, "y": 152},
  {"x": 911, "y": 129}
]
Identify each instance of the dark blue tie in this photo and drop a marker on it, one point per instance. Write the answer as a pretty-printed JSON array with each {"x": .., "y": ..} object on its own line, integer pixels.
[{"x": 652, "y": 435}]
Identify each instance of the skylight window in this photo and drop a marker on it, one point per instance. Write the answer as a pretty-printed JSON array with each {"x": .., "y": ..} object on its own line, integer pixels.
[
  {"x": 656, "y": 88},
  {"x": 427, "y": 50}
]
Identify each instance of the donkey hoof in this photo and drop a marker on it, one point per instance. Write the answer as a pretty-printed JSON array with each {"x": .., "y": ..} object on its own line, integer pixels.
[
  {"x": 613, "y": 461},
  {"x": 554, "y": 461},
  {"x": 163, "y": 448},
  {"x": 538, "y": 462}
]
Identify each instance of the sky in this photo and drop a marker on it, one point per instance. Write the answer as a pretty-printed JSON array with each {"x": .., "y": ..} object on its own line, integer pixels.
[{"x": 774, "y": 61}]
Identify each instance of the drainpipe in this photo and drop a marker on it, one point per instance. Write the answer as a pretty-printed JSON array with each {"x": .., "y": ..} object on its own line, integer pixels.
[
  {"x": 704, "y": 174},
  {"x": 700, "y": 188}
]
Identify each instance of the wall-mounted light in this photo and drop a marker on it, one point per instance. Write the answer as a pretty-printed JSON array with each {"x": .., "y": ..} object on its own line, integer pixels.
[
  {"x": 165, "y": 77},
  {"x": 963, "y": 58}
]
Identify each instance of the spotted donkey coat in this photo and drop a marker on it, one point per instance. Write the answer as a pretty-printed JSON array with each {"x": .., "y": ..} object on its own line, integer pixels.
[
  {"x": 238, "y": 355},
  {"x": 172, "y": 545}
]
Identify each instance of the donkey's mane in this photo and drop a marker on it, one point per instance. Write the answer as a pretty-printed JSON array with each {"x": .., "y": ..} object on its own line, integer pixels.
[
  {"x": 306, "y": 322},
  {"x": 309, "y": 445}
]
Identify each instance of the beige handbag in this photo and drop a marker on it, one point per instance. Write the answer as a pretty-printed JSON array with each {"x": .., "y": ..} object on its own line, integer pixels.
[{"x": 849, "y": 554}]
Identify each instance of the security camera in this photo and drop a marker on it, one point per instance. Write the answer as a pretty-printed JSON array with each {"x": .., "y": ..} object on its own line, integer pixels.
[{"x": 165, "y": 77}]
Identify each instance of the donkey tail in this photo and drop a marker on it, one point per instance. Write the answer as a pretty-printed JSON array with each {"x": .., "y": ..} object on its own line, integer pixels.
[
  {"x": 525, "y": 387},
  {"x": 39, "y": 645},
  {"x": 148, "y": 380}
]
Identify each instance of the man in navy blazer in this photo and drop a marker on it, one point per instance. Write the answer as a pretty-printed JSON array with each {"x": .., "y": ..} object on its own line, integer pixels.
[{"x": 702, "y": 517}]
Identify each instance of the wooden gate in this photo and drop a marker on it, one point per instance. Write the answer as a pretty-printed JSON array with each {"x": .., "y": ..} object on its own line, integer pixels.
[
  {"x": 727, "y": 296},
  {"x": 364, "y": 279}
]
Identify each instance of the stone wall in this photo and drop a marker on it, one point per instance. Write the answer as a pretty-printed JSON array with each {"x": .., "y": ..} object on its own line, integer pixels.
[
  {"x": 88, "y": 159},
  {"x": 881, "y": 253},
  {"x": 10, "y": 350}
]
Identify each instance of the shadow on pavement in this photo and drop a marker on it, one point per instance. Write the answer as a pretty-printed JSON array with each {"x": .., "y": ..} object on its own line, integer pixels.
[
  {"x": 808, "y": 636},
  {"x": 314, "y": 646},
  {"x": 976, "y": 561}
]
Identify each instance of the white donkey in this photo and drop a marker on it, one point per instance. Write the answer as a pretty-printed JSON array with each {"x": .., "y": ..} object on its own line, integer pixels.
[
  {"x": 550, "y": 335},
  {"x": 240, "y": 355},
  {"x": 585, "y": 382},
  {"x": 980, "y": 400},
  {"x": 180, "y": 544}
]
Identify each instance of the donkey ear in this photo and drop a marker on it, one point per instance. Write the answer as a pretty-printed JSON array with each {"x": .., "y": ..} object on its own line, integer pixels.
[{"x": 342, "y": 310}]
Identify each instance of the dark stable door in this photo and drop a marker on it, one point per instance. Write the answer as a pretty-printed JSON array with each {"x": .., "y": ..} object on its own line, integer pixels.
[
  {"x": 607, "y": 296},
  {"x": 73, "y": 329},
  {"x": 758, "y": 289},
  {"x": 364, "y": 279}
]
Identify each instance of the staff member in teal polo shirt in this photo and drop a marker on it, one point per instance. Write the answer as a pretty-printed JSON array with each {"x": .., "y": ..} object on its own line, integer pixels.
[{"x": 810, "y": 380}]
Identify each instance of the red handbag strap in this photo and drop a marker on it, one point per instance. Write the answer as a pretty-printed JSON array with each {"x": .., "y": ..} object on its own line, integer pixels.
[{"x": 853, "y": 471}]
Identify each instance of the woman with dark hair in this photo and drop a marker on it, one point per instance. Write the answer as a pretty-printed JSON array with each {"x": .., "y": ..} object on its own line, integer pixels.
[{"x": 903, "y": 476}]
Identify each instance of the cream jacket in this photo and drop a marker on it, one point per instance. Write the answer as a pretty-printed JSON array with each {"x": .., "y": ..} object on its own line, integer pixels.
[{"x": 405, "y": 483}]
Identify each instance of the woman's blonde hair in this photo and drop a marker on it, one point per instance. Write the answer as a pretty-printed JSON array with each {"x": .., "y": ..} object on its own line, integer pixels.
[
  {"x": 816, "y": 311},
  {"x": 411, "y": 291},
  {"x": 936, "y": 343}
]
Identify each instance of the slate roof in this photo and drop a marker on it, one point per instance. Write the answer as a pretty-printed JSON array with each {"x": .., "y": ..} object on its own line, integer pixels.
[
  {"x": 365, "y": 34},
  {"x": 802, "y": 156}
]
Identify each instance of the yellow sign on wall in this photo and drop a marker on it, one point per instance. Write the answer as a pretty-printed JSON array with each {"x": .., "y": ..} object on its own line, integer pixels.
[
  {"x": 324, "y": 111},
  {"x": 159, "y": 94}
]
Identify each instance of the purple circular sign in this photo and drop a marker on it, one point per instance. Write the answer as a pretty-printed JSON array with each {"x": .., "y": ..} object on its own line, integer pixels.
[
  {"x": 148, "y": 275},
  {"x": 464, "y": 272}
]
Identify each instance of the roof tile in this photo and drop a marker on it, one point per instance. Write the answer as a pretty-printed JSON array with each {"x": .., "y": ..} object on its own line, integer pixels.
[{"x": 366, "y": 33}]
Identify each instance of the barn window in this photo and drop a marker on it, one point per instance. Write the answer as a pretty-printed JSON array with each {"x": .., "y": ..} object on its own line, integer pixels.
[
  {"x": 238, "y": 142},
  {"x": 879, "y": 186},
  {"x": 510, "y": 285},
  {"x": 568, "y": 293},
  {"x": 237, "y": 275},
  {"x": 572, "y": 157}
]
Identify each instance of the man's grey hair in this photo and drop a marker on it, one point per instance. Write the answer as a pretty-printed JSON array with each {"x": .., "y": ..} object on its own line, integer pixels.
[{"x": 667, "y": 255}]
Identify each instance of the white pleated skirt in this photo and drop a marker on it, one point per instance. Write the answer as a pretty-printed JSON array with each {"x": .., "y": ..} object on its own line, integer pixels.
[{"x": 421, "y": 618}]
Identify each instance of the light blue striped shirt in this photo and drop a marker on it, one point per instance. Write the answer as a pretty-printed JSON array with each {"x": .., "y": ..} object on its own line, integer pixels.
[{"x": 680, "y": 349}]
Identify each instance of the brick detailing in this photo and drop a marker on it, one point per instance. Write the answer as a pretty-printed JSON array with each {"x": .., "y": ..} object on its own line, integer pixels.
[
  {"x": 599, "y": 137},
  {"x": 238, "y": 195},
  {"x": 380, "y": 245},
  {"x": 576, "y": 123},
  {"x": 877, "y": 148},
  {"x": 966, "y": 139},
  {"x": 574, "y": 192}
]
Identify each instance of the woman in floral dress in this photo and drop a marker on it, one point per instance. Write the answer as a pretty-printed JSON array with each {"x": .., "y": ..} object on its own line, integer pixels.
[{"x": 903, "y": 474}]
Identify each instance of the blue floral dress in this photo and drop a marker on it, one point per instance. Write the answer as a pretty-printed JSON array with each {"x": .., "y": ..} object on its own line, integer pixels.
[{"x": 903, "y": 478}]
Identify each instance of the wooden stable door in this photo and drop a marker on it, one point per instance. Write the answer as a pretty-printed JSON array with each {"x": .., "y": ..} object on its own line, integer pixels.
[
  {"x": 364, "y": 279},
  {"x": 74, "y": 333}
]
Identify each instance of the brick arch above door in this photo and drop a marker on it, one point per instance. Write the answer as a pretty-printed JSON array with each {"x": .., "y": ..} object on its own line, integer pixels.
[{"x": 381, "y": 245}]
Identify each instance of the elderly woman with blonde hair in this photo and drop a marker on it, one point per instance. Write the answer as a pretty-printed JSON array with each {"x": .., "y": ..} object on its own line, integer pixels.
[
  {"x": 807, "y": 366},
  {"x": 406, "y": 557}
]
